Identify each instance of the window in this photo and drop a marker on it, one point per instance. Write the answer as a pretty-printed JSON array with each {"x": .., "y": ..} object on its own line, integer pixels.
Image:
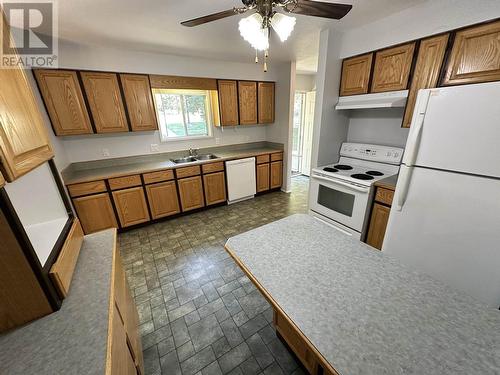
[{"x": 184, "y": 114}]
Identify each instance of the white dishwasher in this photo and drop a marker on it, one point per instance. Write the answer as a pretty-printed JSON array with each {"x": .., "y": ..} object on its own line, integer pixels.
[{"x": 240, "y": 179}]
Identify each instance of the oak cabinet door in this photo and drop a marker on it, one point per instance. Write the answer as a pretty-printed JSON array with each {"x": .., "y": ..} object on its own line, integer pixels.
[
  {"x": 228, "y": 102},
  {"x": 247, "y": 99},
  {"x": 24, "y": 142},
  {"x": 276, "y": 174},
  {"x": 63, "y": 97},
  {"x": 105, "y": 101},
  {"x": 120, "y": 360},
  {"x": 266, "y": 102},
  {"x": 215, "y": 188},
  {"x": 378, "y": 224},
  {"x": 191, "y": 193},
  {"x": 475, "y": 56},
  {"x": 163, "y": 199},
  {"x": 139, "y": 101},
  {"x": 392, "y": 68},
  {"x": 356, "y": 75},
  {"x": 262, "y": 177},
  {"x": 95, "y": 212},
  {"x": 131, "y": 206},
  {"x": 429, "y": 61}
]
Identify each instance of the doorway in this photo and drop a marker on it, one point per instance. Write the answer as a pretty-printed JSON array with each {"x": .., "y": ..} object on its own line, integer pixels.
[{"x": 303, "y": 118}]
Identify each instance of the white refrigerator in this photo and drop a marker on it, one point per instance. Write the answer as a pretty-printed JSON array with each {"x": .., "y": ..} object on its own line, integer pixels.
[{"x": 445, "y": 219}]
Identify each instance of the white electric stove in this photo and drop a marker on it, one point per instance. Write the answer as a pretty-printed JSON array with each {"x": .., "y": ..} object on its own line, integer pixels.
[{"x": 340, "y": 193}]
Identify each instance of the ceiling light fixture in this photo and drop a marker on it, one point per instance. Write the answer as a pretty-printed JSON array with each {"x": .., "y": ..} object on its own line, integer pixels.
[{"x": 255, "y": 30}]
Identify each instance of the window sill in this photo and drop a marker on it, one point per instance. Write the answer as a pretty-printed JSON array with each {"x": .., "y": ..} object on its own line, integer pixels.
[{"x": 184, "y": 139}]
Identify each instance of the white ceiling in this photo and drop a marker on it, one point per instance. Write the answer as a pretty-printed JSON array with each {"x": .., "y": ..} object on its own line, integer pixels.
[{"x": 154, "y": 26}]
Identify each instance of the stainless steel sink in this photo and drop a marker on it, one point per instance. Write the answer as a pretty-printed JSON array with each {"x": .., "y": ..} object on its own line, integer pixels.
[
  {"x": 186, "y": 159},
  {"x": 190, "y": 159},
  {"x": 206, "y": 157}
]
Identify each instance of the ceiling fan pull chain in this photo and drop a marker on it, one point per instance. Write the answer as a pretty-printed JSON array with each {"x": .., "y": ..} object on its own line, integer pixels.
[
  {"x": 266, "y": 55},
  {"x": 256, "y": 56}
]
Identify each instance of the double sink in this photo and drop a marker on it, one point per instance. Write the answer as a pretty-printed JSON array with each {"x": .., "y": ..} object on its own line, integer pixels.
[{"x": 191, "y": 159}]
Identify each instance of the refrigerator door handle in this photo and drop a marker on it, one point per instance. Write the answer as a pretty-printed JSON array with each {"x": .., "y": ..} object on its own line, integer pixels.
[
  {"x": 417, "y": 124},
  {"x": 403, "y": 186}
]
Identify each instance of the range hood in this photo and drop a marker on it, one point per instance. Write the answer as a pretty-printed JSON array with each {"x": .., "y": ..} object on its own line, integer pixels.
[{"x": 390, "y": 99}]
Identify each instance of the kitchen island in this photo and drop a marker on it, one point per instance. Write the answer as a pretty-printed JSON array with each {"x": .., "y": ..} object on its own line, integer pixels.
[{"x": 350, "y": 309}]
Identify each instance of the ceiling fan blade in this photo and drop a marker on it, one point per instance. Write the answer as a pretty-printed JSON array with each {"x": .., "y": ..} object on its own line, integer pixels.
[
  {"x": 213, "y": 17},
  {"x": 319, "y": 9}
]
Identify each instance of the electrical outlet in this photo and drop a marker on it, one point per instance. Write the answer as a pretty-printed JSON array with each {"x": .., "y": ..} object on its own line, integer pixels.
[
  {"x": 155, "y": 147},
  {"x": 217, "y": 141},
  {"x": 105, "y": 152}
]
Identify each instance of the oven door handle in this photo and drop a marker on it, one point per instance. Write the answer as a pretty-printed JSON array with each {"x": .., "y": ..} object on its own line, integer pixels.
[{"x": 353, "y": 187}]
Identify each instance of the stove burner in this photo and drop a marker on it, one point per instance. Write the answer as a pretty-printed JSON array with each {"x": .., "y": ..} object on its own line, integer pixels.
[
  {"x": 374, "y": 173},
  {"x": 343, "y": 167},
  {"x": 330, "y": 169},
  {"x": 361, "y": 176}
]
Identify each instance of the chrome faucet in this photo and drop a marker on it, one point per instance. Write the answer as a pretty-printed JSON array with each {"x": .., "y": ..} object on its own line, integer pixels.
[{"x": 193, "y": 152}]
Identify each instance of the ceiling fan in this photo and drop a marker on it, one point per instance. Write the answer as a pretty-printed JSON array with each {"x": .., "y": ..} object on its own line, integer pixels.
[{"x": 255, "y": 28}]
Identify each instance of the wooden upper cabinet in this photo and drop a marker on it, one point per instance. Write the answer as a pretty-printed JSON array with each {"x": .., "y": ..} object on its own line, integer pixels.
[
  {"x": 392, "y": 68},
  {"x": 429, "y": 61},
  {"x": 64, "y": 101},
  {"x": 24, "y": 141},
  {"x": 163, "y": 199},
  {"x": 139, "y": 101},
  {"x": 105, "y": 101},
  {"x": 356, "y": 75},
  {"x": 191, "y": 193},
  {"x": 131, "y": 206},
  {"x": 266, "y": 102},
  {"x": 475, "y": 56},
  {"x": 247, "y": 99},
  {"x": 215, "y": 188},
  {"x": 95, "y": 212},
  {"x": 228, "y": 102}
]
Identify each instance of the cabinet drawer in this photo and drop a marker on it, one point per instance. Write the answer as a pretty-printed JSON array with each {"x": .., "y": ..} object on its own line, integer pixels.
[
  {"x": 124, "y": 182},
  {"x": 384, "y": 196},
  {"x": 296, "y": 342},
  {"x": 150, "y": 178},
  {"x": 213, "y": 167},
  {"x": 188, "y": 171},
  {"x": 277, "y": 156},
  {"x": 261, "y": 159},
  {"x": 86, "y": 188}
]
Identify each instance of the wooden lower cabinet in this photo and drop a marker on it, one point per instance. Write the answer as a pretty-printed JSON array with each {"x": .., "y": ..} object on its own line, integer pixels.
[
  {"x": 215, "y": 188},
  {"x": 95, "y": 212},
  {"x": 131, "y": 206},
  {"x": 124, "y": 344},
  {"x": 276, "y": 174},
  {"x": 163, "y": 200},
  {"x": 191, "y": 193},
  {"x": 378, "y": 224},
  {"x": 262, "y": 177}
]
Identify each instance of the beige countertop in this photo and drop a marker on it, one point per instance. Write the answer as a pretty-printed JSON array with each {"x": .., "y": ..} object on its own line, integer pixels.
[
  {"x": 102, "y": 169},
  {"x": 388, "y": 182}
]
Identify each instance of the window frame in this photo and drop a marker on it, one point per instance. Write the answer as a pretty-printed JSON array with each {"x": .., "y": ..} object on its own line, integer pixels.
[{"x": 208, "y": 109}]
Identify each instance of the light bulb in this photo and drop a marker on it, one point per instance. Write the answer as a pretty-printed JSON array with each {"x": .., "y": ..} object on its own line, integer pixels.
[
  {"x": 283, "y": 25},
  {"x": 252, "y": 31}
]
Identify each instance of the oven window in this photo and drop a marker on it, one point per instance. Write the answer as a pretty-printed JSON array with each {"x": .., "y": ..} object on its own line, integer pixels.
[{"x": 335, "y": 200}]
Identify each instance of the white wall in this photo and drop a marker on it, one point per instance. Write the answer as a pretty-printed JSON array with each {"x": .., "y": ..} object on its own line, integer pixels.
[
  {"x": 330, "y": 126},
  {"x": 378, "y": 126},
  {"x": 83, "y": 148},
  {"x": 427, "y": 18},
  {"x": 305, "y": 82}
]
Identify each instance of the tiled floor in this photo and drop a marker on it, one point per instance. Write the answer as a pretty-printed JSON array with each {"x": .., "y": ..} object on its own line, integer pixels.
[{"x": 199, "y": 313}]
